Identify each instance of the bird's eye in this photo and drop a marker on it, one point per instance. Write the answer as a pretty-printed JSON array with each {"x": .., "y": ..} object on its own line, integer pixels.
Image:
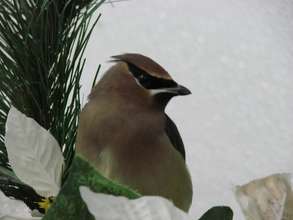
[
  {"x": 141, "y": 77},
  {"x": 148, "y": 81}
]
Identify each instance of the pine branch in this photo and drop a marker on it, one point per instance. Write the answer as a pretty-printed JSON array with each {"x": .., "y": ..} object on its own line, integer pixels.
[{"x": 42, "y": 43}]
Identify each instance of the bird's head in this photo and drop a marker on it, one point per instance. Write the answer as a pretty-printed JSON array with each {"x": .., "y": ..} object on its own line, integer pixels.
[{"x": 151, "y": 78}]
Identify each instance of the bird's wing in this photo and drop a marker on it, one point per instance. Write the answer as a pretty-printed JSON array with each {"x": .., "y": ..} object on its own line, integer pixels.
[{"x": 174, "y": 136}]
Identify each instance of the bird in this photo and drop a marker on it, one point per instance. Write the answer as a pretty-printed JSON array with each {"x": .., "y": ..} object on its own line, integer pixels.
[{"x": 126, "y": 135}]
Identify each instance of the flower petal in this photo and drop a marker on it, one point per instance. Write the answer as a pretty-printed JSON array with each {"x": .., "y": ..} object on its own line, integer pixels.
[
  {"x": 34, "y": 154},
  {"x": 11, "y": 209},
  {"x": 108, "y": 207}
]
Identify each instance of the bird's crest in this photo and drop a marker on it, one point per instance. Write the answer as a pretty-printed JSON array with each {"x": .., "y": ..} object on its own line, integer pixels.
[{"x": 144, "y": 63}]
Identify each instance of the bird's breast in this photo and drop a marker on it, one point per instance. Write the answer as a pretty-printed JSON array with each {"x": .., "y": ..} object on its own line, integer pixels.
[{"x": 130, "y": 146}]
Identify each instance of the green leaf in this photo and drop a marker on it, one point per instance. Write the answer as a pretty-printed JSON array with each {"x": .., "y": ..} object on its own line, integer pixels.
[
  {"x": 218, "y": 213},
  {"x": 69, "y": 205}
]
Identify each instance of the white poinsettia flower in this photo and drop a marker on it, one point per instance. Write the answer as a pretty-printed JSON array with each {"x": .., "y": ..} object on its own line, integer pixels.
[
  {"x": 11, "y": 209},
  {"x": 109, "y": 207},
  {"x": 34, "y": 154}
]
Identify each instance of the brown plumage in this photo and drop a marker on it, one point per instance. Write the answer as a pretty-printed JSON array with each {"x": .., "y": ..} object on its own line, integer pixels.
[
  {"x": 125, "y": 133},
  {"x": 144, "y": 63}
]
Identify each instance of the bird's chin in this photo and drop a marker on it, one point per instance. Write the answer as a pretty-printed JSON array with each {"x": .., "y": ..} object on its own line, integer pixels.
[{"x": 162, "y": 99}]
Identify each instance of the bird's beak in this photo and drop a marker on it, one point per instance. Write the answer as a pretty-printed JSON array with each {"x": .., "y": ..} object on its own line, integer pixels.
[{"x": 179, "y": 90}]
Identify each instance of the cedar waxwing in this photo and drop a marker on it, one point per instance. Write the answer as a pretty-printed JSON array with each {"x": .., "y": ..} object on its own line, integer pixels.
[{"x": 126, "y": 134}]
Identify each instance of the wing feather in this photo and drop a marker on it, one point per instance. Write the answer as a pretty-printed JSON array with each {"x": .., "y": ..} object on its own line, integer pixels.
[{"x": 174, "y": 136}]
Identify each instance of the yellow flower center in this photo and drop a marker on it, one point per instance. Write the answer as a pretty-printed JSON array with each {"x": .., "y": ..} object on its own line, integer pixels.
[{"x": 46, "y": 203}]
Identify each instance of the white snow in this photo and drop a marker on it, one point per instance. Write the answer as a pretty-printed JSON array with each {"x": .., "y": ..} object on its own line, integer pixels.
[{"x": 236, "y": 57}]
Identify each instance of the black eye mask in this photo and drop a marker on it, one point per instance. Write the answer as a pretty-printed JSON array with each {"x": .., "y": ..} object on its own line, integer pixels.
[{"x": 148, "y": 81}]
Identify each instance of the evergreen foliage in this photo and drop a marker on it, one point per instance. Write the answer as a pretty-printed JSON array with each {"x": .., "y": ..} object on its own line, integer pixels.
[{"x": 41, "y": 61}]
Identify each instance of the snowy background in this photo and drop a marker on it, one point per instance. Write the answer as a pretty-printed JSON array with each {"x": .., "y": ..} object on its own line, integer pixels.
[{"x": 237, "y": 58}]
